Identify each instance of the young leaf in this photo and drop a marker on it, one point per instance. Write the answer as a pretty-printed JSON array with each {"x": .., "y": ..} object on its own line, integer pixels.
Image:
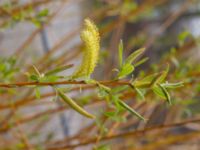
[
  {"x": 73, "y": 105},
  {"x": 163, "y": 75},
  {"x": 159, "y": 78},
  {"x": 43, "y": 13},
  {"x": 37, "y": 92},
  {"x": 134, "y": 55},
  {"x": 172, "y": 85},
  {"x": 127, "y": 107},
  {"x": 102, "y": 147},
  {"x": 51, "y": 78},
  {"x": 34, "y": 77},
  {"x": 103, "y": 87},
  {"x": 125, "y": 70},
  {"x": 36, "y": 71},
  {"x": 119, "y": 89},
  {"x": 120, "y": 53},
  {"x": 166, "y": 94},
  {"x": 139, "y": 92},
  {"x": 141, "y": 62},
  {"x": 146, "y": 81},
  {"x": 158, "y": 91}
]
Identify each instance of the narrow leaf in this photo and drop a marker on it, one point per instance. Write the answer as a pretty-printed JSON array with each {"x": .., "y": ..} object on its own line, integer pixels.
[
  {"x": 134, "y": 55},
  {"x": 158, "y": 91},
  {"x": 73, "y": 105},
  {"x": 36, "y": 71},
  {"x": 160, "y": 77},
  {"x": 146, "y": 81},
  {"x": 127, "y": 107},
  {"x": 141, "y": 61},
  {"x": 172, "y": 85},
  {"x": 37, "y": 92},
  {"x": 126, "y": 70},
  {"x": 34, "y": 77},
  {"x": 139, "y": 92},
  {"x": 163, "y": 75},
  {"x": 120, "y": 53},
  {"x": 166, "y": 94}
]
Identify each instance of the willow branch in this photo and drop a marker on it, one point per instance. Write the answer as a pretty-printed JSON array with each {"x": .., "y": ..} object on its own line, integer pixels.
[
  {"x": 23, "y": 84},
  {"x": 130, "y": 134}
]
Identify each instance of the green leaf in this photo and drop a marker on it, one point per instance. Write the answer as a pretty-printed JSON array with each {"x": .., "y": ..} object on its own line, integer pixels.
[
  {"x": 125, "y": 70},
  {"x": 115, "y": 99},
  {"x": 2, "y": 67},
  {"x": 146, "y": 81},
  {"x": 34, "y": 77},
  {"x": 158, "y": 91},
  {"x": 166, "y": 94},
  {"x": 139, "y": 92},
  {"x": 36, "y": 22},
  {"x": 163, "y": 75},
  {"x": 102, "y": 147},
  {"x": 172, "y": 85},
  {"x": 36, "y": 71},
  {"x": 102, "y": 93},
  {"x": 141, "y": 61},
  {"x": 120, "y": 53},
  {"x": 107, "y": 89},
  {"x": 73, "y": 105},
  {"x": 37, "y": 93},
  {"x": 161, "y": 92},
  {"x": 119, "y": 89},
  {"x": 127, "y": 107},
  {"x": 43, "y": 13},
  {"x": 49, "y": 78},
  {"x": 182, "y": 36},
  {"x": 134, "y": 55},
  {"x": 160, "y": 77},
  {"x": 114, "y": 115}
]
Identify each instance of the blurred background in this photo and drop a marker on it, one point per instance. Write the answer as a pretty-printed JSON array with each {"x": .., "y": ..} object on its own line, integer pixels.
[{"x": 46, "y": 34}]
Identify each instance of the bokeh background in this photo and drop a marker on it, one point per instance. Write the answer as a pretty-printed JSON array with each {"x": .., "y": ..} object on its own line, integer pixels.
[{"x": 46, "y": 33}]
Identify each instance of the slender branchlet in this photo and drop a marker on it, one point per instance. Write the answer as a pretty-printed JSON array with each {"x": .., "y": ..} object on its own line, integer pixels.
[{"x": 91, "y": 39}]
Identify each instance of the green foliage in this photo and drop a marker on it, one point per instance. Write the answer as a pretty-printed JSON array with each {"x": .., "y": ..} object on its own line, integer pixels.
[
  {"x": 102, "y": 147},
  {"x": 8, "y": 69},
  {"x": 37, "y": 93},
  {"x": 127, "y": 66},
  {"x": 183, "y": 36},
  {"x": 73, "y": 105},
  {"x": 125, "y": 70},
  {"x": 120, "y": 53},
  {"x": 28, "y": 14},
  {"x": 131, "y": 110}
]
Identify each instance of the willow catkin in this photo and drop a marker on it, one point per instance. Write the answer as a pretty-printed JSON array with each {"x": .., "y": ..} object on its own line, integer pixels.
[{"x": 91, "y": 39}]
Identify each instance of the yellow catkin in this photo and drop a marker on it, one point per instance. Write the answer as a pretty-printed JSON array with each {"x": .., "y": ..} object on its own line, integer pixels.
[{"x": 91, "y": 39}]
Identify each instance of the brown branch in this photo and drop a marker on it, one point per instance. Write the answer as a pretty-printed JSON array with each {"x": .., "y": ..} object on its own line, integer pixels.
[
  {"x": 28, "y": 118},
  {"x": 129, "y": 134},
  {"x": 22, "y": 84},
  {"x": 15, "y": 10}
]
